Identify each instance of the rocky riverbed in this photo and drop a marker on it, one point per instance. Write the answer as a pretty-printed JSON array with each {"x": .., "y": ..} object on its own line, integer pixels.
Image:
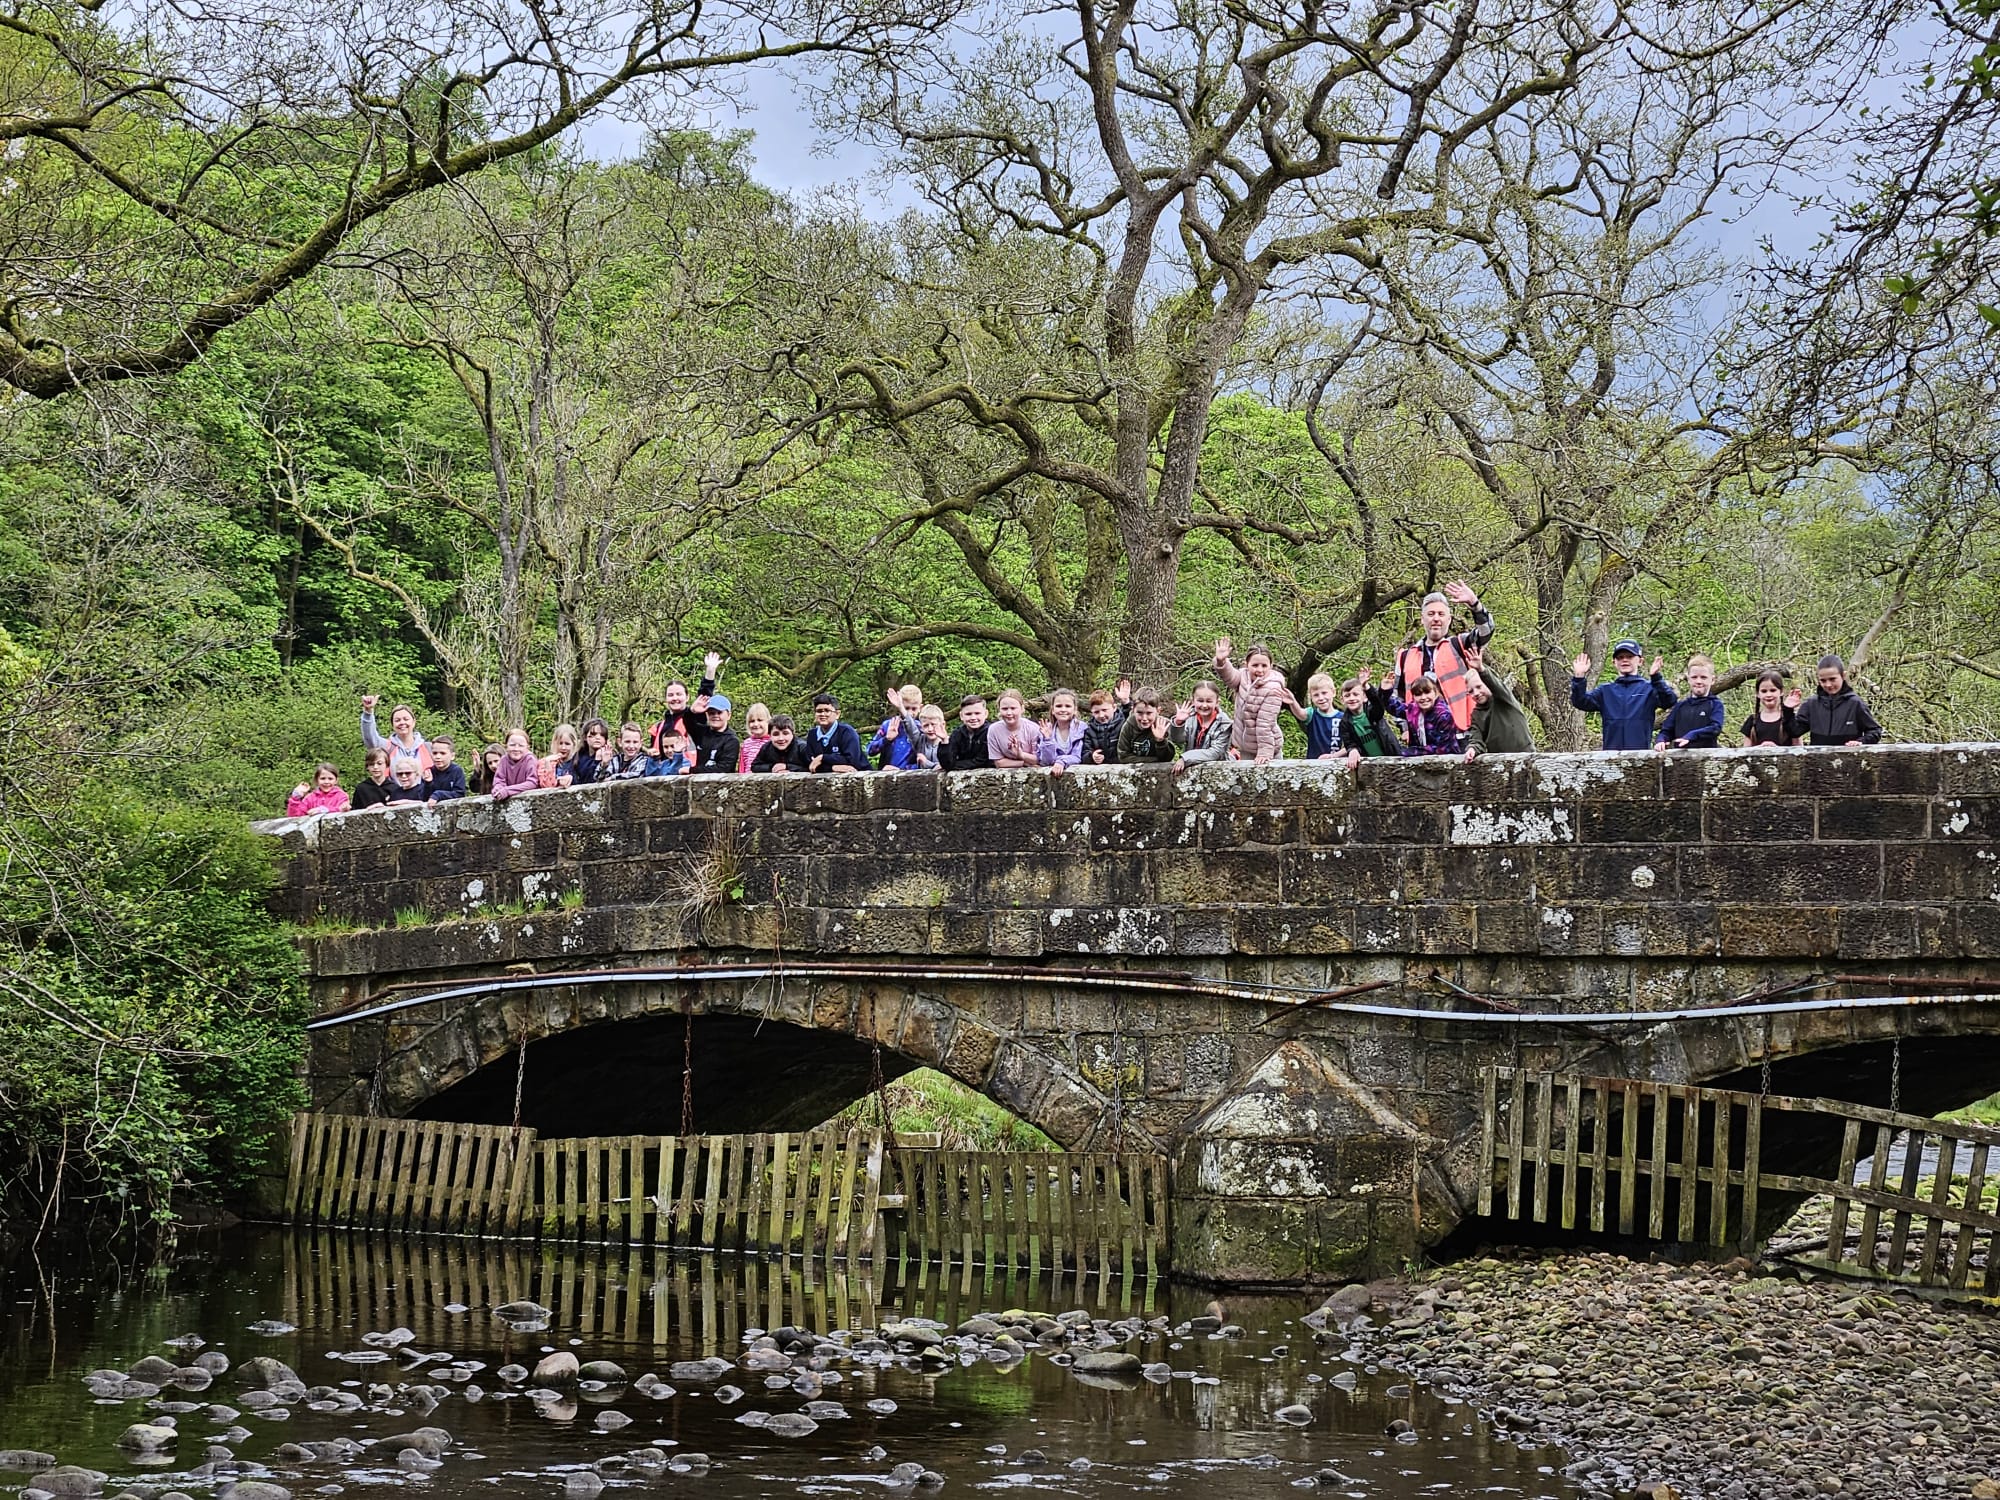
[{"x": 1721, "y": 1382}]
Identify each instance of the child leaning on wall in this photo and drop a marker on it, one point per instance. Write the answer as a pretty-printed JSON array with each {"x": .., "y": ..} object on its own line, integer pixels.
[{"x": 1694, "y": 723}]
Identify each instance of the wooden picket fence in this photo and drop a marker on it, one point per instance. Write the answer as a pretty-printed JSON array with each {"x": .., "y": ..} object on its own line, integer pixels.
[
  {"x": 1680, "y": 1163},
  {"x": 1033, "y": 1209},
  {"x": 847, "y": 1195}
]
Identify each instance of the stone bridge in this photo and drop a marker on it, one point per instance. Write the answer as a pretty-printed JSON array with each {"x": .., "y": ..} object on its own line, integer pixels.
[{"x": 1288, "y": 978}]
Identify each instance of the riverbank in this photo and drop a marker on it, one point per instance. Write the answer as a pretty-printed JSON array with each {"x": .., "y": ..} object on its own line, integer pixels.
[{"x": 1726, "y": 1383}]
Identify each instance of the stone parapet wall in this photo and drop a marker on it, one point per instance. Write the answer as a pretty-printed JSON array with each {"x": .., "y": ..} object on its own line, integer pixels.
[{"x": 1584, "y": 880}]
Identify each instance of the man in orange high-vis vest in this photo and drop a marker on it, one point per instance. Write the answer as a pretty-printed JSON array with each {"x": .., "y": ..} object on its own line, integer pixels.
[{"x": 1440, "y": 655}]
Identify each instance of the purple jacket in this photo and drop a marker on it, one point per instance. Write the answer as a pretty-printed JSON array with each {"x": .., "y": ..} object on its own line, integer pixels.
[{"x": 514, "y": 776}]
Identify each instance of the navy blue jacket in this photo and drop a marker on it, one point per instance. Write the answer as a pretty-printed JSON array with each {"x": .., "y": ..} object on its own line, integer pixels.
[
  {"x": 839, "y": 747},
  {"x": 1626, "y": 704},
  {"x": 1698, "y": 720}
]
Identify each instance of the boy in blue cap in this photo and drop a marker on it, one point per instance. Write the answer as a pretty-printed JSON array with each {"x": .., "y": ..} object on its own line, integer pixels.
[{"x": 1627, "y": 702}]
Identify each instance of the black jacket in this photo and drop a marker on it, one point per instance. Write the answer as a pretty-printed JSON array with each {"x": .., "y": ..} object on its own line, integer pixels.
[
  {"x": 1836, "y": 718},
  {"x": 1103, "y": 737},
  {"x": 718, "y": 753},
  {"x": 371, "y": 794},
  {"x": 1384, "y": 740},
  {"x": 793, "y": 756},
  {"x": 966, "y": 750}
]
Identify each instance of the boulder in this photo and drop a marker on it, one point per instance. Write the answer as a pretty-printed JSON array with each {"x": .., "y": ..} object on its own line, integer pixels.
[
  {"x": 148, "y": 1437},
  {"x": 1108, "y": 1362},
  {"x": 559, "y": 1368}
]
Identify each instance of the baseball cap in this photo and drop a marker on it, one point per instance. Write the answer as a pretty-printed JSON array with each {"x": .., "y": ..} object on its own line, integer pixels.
[
  {"x": 1627, "y": 648},
  {"x": 717, "y": 704}
]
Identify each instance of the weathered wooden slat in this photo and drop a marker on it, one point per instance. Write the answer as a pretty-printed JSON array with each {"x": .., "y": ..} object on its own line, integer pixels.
[
  {"x": 838, "y": 1244},
  {"x": 1656, "y": 1222},
  {"x": 1489, "y": 1119},
  {"x": 1718, "y": 1183},
  {"x": 1600, "y": 1154},
  {"x": 1975, "y": 1192},
  {"x": 1753, "y": 1146},
  {"x": 1628, "y": 1161},
  {"x": 1572, "y": 1133},
  {"x": 1690, "y": 1161},
  {"x": 1941, "y": 1210},
  {"x": 1543, "y": 1086},
  {"x": 716, "y": 1148},
  {"x": 1850, "y": 1156},
  {"x": 1899, "y": 1233},
  {"x": 1878, "y": 1176},
  {"x": 871, "y": 1201},
  {"x": 1517, "y": 1113}
]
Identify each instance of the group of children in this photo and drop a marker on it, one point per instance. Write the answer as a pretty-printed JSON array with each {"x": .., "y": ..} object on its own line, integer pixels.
[{"x": 1438, "y": 699}]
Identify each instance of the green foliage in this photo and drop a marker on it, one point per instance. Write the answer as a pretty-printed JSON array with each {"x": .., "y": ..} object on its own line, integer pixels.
[
  {"x": 927, "y": 1100},
  {"x": 153, "y": 1026}
]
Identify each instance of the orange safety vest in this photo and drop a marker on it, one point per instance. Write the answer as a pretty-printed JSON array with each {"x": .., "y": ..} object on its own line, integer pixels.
[{"x": 1448, "y": 667}]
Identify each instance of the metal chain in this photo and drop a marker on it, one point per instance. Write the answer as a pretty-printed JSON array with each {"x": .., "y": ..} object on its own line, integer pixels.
[
  {"x": 1765, "y": 1083},
  {"x": 1896, "y": 1075},
  {"x": 520, "y": 1079},
  {"x": 687, "y": 1063}
]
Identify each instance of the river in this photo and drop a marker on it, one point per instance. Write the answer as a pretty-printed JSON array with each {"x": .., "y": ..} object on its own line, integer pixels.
[{"x": 1208, "y": 1429}]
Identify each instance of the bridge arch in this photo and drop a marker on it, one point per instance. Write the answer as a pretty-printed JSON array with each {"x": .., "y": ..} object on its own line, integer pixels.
[{"x": 771, "y": 1048}]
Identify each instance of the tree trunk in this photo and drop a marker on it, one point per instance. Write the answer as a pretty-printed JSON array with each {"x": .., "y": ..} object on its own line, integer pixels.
[{"x": 1152, "y": 582}]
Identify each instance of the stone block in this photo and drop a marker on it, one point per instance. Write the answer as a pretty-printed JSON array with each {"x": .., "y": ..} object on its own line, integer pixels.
[
  {"x": 1968, "y": 771},
  {"x": 1624, "y": 874},
  {"x": 1937, "y": 871},
  {"x": 1236, "y": 827},
  {"x": 1384, "y": 929},
  {"x": 1242, "y": 784},
  {"x": 1017, "y": 934},
  {"x": 1874, "y": 819},
  {"x": 1112, "y": 880},
  {"x": 1879, "y": 770},
  {"x": 1438, "y": 927},
  {"x": 878, "y": 930},
  {"x": 1480, "y": 876},
  {"x": 1331, "y": 877},
  {"x": 984, "y": 793},
  {"x": 1204, "y": 930},
  {"x": 1485, "y": 824},
  {"x": 1244, "y": 876},
  {"x": 1977, "y": 929},
  {"x": 1507, "y": 926},
  {"x": 1658, "y": 931},
  {"x": 961, "y": 932},
  {"x": 1392, "y": 823},
  {"x": 361, "y": 867},
  {"x": 971, "y": 1053},
  {"x": 1626, "y": 822},
  {"x": 928, "y": 881},
  {"x": 1810, "y": 874},
  {"x": 1124, "y": 830},
  {"x": 1295, "y": 929},
  {"x": 1887, "y": 932},
  {"x": 1095, "y": 789},
  {"x": 1779, "y": 931},
  {"x": 1122, "y": 929},
  {"x": 1755, "y": 820}
]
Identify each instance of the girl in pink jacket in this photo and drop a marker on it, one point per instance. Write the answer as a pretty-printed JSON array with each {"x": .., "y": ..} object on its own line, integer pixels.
[
  {"x": 323, "y": 796},
  {"x": 1260, "y": 693},
  {"x": 518, "y": 770}
]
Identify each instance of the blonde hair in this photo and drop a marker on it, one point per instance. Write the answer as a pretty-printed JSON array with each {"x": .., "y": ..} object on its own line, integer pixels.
[
  {"x": 1698, "y": 660},
  {"x": 556, "y": 735},
  {"x": 1014, "y": 693},
  {"x": 1317, "y": 679}
]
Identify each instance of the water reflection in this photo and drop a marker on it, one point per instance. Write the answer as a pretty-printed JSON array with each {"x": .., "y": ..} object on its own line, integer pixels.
[{"x": 978, "y": 1423}]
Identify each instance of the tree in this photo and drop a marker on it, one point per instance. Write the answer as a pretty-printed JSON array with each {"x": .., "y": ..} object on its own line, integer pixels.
[
  {"x": 1548, "y": 328},
  {"x": 1178, "y": 164},
  {"x": 583, "y": 316},
  {"x": 172, "y": 170}
]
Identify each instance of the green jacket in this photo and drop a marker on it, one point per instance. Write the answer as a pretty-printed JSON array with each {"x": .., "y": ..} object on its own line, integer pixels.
[{"x": 1499, "y": 725}]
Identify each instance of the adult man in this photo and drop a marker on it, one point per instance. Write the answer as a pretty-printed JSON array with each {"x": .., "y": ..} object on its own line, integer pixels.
[
  {"x": 1440, "y": 655},
  {"x": 1499, "y": 723},
  {"x": 830, "y": 744}
]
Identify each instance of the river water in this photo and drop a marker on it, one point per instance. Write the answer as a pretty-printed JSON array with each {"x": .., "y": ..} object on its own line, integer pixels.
[{"x": 1208, "y": 1431}]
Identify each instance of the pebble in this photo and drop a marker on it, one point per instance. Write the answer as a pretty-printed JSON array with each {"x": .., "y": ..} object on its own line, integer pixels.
[{"x": 1711, "y": 1381}]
